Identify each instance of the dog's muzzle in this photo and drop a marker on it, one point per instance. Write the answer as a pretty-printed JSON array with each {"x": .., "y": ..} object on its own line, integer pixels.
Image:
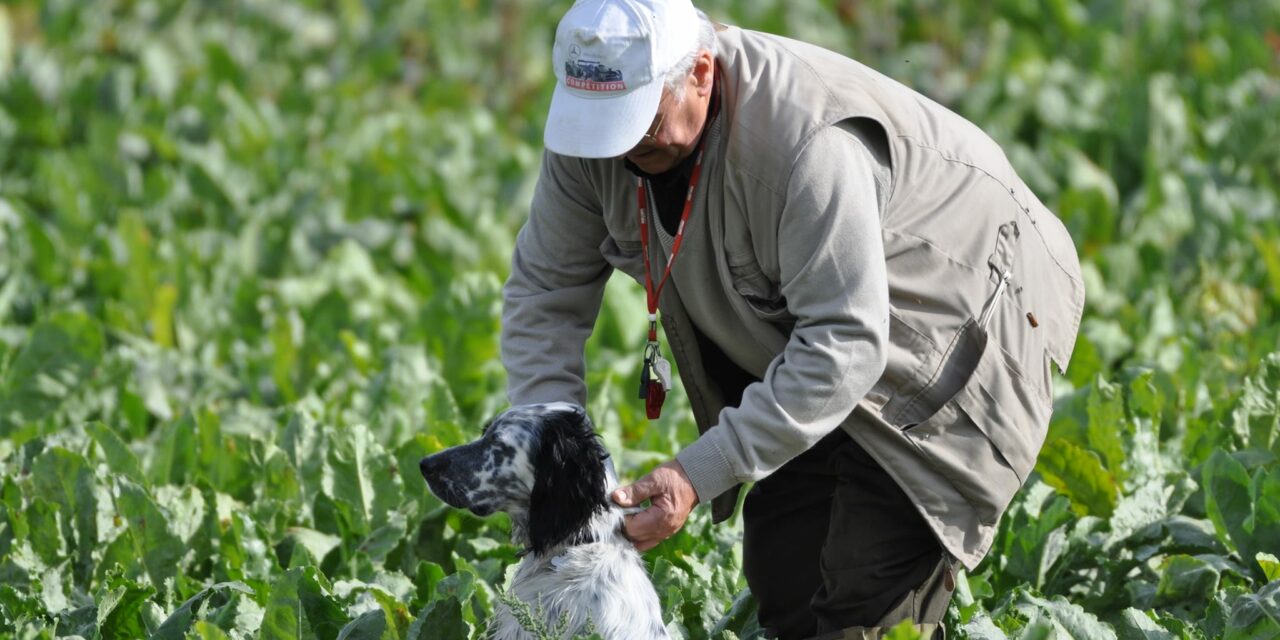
[
  {"x": 434, "y": 466},
  {"x": 437, "y": 469}
]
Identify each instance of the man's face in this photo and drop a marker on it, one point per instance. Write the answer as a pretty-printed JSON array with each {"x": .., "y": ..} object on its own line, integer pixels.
[{"x": 672, "y": 134}]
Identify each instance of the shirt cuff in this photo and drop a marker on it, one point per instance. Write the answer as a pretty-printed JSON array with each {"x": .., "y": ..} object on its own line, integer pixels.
[{"x": 707, "y": 467}]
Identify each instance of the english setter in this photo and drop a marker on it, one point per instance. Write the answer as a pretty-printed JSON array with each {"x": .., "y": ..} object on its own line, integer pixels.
[{"x": 544, "y": 466}]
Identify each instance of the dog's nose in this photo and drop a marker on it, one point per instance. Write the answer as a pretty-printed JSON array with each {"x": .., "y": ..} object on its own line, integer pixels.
[{"x": 433, "y": 466}]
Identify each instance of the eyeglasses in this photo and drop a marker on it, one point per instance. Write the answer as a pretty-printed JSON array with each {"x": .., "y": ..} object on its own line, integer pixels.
[{"x": 652, "y": 134}]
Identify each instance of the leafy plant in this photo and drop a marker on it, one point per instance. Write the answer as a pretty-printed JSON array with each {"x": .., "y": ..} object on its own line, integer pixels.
[{"x": 251, "y": 257}]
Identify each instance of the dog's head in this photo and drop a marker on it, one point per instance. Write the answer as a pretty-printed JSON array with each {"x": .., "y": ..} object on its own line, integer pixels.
[{"x": 541, "y": 464}]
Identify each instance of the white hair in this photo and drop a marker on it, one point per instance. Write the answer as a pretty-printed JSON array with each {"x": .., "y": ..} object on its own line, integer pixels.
[{"x": 676, "y": 76}]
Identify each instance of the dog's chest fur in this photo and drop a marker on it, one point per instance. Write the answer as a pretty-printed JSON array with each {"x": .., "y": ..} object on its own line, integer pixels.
[{"x": 603, "y": 582}]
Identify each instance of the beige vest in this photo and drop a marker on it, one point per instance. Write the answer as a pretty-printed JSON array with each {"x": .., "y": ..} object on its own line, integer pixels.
[{"x": 985, "y": 285}]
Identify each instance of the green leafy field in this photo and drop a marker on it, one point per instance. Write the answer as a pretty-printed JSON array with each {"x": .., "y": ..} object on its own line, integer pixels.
[{"x": 251, "y": 254}]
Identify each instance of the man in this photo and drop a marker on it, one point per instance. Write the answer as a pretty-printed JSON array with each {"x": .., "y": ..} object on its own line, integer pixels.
[{"x": 863, "y": 300}]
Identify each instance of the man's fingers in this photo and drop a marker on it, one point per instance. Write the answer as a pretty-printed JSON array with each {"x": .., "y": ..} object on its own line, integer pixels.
[
  {"x": 647, "y": 528},
  {"x": 645, "y": 525},
  {"x": 632, "y": 495},
  {"x": 671, "y": 496}
]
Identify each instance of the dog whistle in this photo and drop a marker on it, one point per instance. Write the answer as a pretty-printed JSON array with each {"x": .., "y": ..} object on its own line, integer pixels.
[{"x": 663, "y": 370}]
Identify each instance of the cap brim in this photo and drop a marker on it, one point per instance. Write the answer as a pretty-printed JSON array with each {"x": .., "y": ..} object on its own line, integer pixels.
[{"x": 599, "y": 127}]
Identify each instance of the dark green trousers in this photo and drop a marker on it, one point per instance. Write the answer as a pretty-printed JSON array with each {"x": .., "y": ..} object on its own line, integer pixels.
[{"x": 832, "y": 544}]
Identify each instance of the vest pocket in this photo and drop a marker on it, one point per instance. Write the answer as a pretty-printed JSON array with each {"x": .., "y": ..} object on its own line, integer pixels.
[
  {"x": 761, "y": 294},
  {"x": 973, "y": 441},
  {"x": 1009, "y": 409},
  {"x": 954, "y": 370}
]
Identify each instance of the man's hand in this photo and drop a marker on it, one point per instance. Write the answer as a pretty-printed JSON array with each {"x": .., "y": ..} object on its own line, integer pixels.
[{"x": 672, "y": 498}]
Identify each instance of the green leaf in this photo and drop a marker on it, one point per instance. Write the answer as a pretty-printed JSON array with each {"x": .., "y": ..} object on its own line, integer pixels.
[
  {"x": 1226, "y": 493},
  {"x": 1069, "y": 618},
  {"x": 1265, "y": 525},
  {"x": 1186, "y": 580},
  {"x": 317, "y": 544},
  {"x": 428, "y": 576},
  {"x": 407, "y": 456},
  {"x": 175, "y": 627},
  {"x": 279, "y": 480},
  {"x": 365, "y": 482},
  {"x": 240, "y": 612},
  {"x": 982, "y": 627},
  {"x": 1146, "y": 400},
  {"x": 1137, "y": 625},
  {"x": 741, "y": 619},
  {"x": 1270, "y": 565},
  {"x": 1079, "y": 475},
  {"x": 173, "y": 457},
  {"x": 284, "y": 357},
  {"x": 67, "y": 479},
  {"x": 669, "y": 581},
  {"x": 1258, "y": 413},
  {"x": 306, "y": 445},
  {"x": 120, "y": 458},
  {"x": 44, "y": 530},
  {"x": 1270, "y": 252},
  {"x": 440, "y": 620},
  {"x": 389, "y": 591},
  {"x": 119, "y": 605},
  {"x": 371, "y": 625},
  {"x": 385, "y": 538},
  {"x": 81, "y": 622},
  {"x": 59, "y": 357},
  {"x": 206, "y": 631},
  {"x": 153, "y": 539},
  {"x": 244, "y": 550},
  {"x": 1108, "y": 426},
  {"x": 1256, "y": 616},
  {"x": 299, "y": 606},
  {"x": 904, "y": 630},
  {"x": 1245, "y": 511},
  {"x": 459, "y": 584}
]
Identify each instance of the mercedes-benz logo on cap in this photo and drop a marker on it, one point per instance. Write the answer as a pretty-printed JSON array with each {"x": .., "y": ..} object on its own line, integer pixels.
[{"x": 574, "y": 51}]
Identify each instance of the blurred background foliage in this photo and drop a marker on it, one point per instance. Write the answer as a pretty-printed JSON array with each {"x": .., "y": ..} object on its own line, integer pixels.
[{"x": 251, "y": 254}]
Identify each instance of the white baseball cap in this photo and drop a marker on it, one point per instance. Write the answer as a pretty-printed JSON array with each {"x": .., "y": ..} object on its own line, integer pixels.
[{"x": 611, "y": 58}]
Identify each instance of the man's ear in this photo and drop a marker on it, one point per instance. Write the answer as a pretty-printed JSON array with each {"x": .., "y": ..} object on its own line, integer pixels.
[
  {"x": 703, "y": 73},
  {"x": 569, "y": 481}
]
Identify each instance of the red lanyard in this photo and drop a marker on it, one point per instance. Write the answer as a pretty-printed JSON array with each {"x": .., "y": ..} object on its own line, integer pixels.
[
  {"x": 655, "y": 374},
  {"x": 652, "y": 293}
]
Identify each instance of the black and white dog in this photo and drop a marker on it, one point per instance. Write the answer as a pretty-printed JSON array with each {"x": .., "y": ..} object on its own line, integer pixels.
[{"x": 544, "y": 466}]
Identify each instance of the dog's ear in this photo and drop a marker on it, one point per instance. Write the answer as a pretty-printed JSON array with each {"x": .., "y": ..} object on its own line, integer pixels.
[{"x": 569, "y": 481}]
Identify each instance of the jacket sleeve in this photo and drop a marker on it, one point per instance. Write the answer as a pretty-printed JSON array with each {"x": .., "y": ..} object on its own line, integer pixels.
[
  {"x": 552, "y": 297},
  {"x": 833, "y": 276}
]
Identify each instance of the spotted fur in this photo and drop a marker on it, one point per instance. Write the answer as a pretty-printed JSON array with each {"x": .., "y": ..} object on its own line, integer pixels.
[{"x": 544, "y": 466}]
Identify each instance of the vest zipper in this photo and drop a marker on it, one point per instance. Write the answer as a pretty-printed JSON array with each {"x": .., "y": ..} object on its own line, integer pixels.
[{"x": 990, "y": 308}]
